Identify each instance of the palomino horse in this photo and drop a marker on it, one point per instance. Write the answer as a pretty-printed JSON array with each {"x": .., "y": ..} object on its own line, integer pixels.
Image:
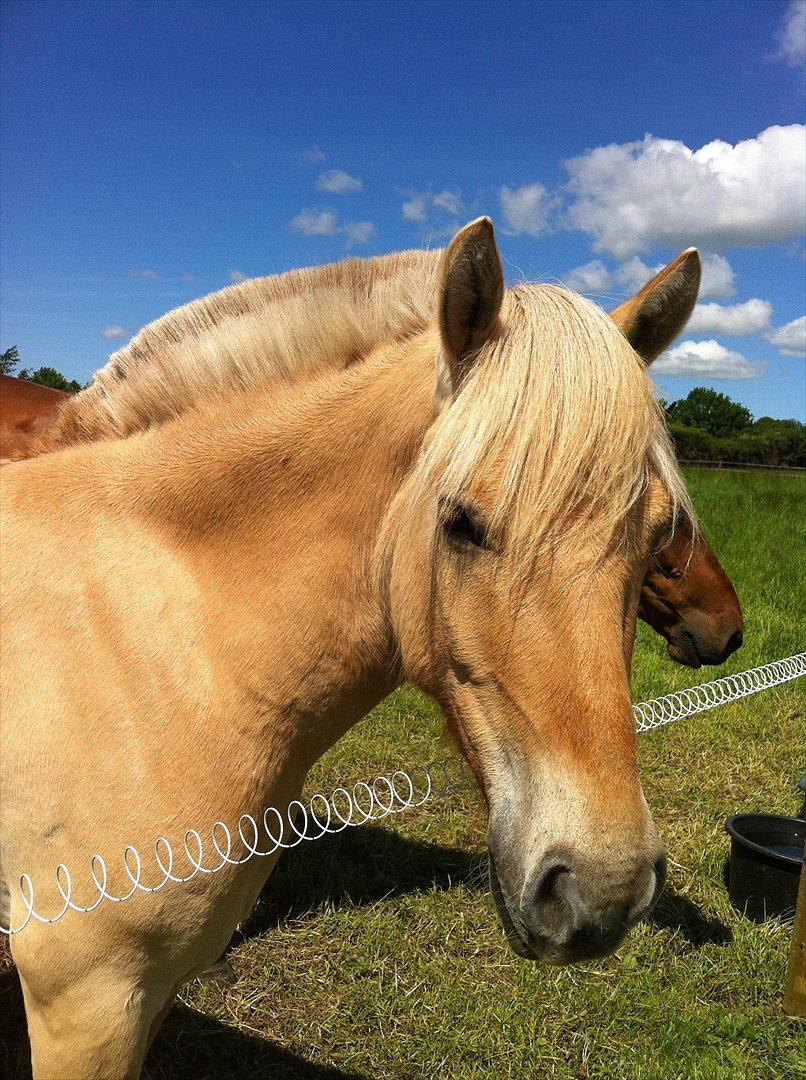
[
  {"x": 26, "y": 411},
  {"x": 194, "y": 614}
]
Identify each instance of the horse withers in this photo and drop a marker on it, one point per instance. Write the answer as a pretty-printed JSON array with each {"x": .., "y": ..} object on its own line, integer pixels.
[{"x": 470, "y": 504}]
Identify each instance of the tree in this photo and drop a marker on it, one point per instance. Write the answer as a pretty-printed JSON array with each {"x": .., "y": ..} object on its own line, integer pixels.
[
  {"x": 714, "y": 413},
  {"x": 9, "y": 360},
  {"x": 48, "y": 376}
]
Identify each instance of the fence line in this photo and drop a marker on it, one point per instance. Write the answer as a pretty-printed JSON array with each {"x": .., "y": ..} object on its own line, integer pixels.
[
  {"x": 703, "y": 464},
  {"x": 364, "y": 802}
]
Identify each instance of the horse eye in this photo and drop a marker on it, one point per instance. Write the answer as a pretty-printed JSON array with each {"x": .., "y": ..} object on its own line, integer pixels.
[{"x": 463, "y": 527}]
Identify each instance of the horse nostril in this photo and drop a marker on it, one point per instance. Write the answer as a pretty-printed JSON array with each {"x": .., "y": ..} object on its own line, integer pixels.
[
  {"x": 734, "y": 642},
  {"x": 548, "y": 887},
  {"x": 660, "y": 875}
]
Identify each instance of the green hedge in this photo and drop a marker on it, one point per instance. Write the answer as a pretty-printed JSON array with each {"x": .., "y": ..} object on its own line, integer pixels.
[{"x": 774, "y": 448}]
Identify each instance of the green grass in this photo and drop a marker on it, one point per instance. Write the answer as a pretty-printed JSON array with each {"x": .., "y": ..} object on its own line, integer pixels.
[{"x": 377, "y": 954}]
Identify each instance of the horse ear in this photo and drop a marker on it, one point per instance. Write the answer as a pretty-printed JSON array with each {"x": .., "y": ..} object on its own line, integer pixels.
[
  {"x": 653, "y": 318},
  {"x": 471, "y": 289}
]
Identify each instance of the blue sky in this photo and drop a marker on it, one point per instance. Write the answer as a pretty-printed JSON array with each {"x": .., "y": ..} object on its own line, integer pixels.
[{"x": 155, "y": 152}]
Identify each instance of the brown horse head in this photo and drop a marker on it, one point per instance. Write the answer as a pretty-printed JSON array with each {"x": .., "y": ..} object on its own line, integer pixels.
[
  {"x": 688, "y": 598},
  {"x": 518, "y": 546}
]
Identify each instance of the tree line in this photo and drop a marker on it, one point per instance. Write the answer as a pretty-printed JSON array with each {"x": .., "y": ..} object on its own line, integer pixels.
[
  {"x": 45, "y": 376},
  {"x": 709, "y": 426}
]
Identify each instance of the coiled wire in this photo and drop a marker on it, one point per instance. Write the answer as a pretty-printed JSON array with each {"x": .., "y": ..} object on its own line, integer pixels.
[{"x": 360, "y": 804}]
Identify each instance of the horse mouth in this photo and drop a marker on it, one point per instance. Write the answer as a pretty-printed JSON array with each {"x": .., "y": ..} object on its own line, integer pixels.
[
  {"x": 683, "y": 650},
  {"x": 515, "y": 937}
]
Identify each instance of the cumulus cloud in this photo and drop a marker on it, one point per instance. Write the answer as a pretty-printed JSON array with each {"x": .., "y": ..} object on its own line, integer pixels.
[
  {"x": 733, "y": 320},
  {"x": 314, "y": 223},
  {"x": 717, "y": 276},
  {"x": 449, "y": 201},
  {"x": 236, "y": 276},
  {"x": 592, "y": 278},
  {"x": 425, "y": 207},
  {"x": 705, "y": 359},
  {"x": 790, "y": 339},
  {"x": 415, "y": 208},
  {"x": 338, "y": 182},
  {"x": 312, "y": 156},
  {"x": 113, "y": 333},
  {"x": 326, "y": 223},
  {"x": 792, "y": 34},
  {"x": 596, "y": 278},
  {"x": 358, "y": 232},
  {"x": 631, "y": 197},
  {"x": 145, "y": 275},
  {"x": 526, "y": 209}
]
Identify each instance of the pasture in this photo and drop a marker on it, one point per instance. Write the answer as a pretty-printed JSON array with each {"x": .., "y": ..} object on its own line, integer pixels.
[{"x": 378, "y": 954}]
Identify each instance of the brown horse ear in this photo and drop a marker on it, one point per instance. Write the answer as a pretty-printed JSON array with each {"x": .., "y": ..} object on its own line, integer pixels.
[
  {"x": 653, "y": 318},
  {"x": 471, "y": 288}
]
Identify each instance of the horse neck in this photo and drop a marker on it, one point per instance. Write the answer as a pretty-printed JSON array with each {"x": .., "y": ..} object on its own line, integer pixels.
[{"x": 279, "y": 519}]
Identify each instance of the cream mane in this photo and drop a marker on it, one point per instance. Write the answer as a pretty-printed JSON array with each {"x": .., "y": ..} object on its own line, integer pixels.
[{"x": 279, "y": 327}]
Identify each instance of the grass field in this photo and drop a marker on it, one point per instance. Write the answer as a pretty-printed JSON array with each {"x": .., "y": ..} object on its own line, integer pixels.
[{"x": 377, "y": 954}]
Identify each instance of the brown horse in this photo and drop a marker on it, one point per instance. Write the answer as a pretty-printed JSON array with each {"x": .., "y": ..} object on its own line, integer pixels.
[
  {"x": 688, "y": 598},
  {"x": 27, "y": 410},
  {"x": 194, "y": 614}
]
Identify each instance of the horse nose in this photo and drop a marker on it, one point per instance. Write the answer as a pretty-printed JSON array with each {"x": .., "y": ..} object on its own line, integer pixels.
[
  {"x": 734, "y": 642},
  {"x": 583, "y": 911}
]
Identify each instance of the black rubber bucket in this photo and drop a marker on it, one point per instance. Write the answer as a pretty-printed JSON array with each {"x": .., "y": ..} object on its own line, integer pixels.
[{"x": 766, "y": 855}]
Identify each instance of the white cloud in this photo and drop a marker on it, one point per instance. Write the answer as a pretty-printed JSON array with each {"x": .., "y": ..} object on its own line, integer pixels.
[
  {"x": 236, "y": 276},
  {"x": 717, "y": 276},
  {"x": 705, "y": 359},
  {"x": 422, "y": 206},
  {"x": 326, "y": 223},
  {"x": 590, "y": 279},
  {"x": 113, "y": 333},
  {"x": 189, "y": 278},
  {"x": 792, "y": 34},
  {"x": 357, "y": 232},
  {"x": 338, "y": 182},
  {"x": 633, "y": 196},
  {"x": 790, "y": 339},
  {"x": 145, "y": 275},
  {"x": 526, "y": 209},
  {"x": 733, "y": 320},
  {"x": 635, "y": 273},
  {"x": 597, "y": 278},
  {"x": 314, "y": 222},
  {"x": 312, "y": 156},
  {"x": 414, "y": 209},
  {"x": 449, "y": 201}
]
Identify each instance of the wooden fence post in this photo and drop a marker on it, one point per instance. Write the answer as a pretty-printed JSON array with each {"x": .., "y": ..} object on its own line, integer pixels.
[{"x": 795, "y": 991}]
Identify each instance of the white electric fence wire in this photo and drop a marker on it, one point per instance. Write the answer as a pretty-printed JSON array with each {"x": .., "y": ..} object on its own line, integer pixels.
[{"x": 364, "y": 802}]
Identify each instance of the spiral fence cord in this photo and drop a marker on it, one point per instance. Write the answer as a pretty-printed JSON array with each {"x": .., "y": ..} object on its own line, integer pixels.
[
  {"x": 697, "y": 699},
  {"x": 350, "y": 807}
]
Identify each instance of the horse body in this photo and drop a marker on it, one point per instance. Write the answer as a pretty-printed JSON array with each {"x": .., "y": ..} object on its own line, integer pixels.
[
  {"x": 194, "y": 614},
  {"x": 27, "y": 411}
]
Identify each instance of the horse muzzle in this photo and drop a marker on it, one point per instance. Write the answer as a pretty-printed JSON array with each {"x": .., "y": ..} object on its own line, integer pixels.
[{"x": 564, "y": 917}]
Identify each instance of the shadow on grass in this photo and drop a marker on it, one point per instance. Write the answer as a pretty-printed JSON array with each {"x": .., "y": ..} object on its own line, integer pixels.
[
  {"x": 675, "y": 912},
  {"x": 357, "y": 867},
  {"x": 188, "y": 1045}
]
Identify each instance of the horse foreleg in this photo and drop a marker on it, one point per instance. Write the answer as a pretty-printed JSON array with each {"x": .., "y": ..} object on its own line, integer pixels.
[{"x": 99, "y": 1029}]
